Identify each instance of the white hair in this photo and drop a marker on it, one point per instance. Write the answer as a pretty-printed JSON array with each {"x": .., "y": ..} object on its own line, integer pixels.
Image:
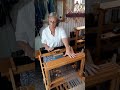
[{"x": 53, "y": 14}]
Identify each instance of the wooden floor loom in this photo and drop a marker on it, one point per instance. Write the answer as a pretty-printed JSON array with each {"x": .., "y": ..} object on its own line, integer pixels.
[{"x": 63, "y": 73}]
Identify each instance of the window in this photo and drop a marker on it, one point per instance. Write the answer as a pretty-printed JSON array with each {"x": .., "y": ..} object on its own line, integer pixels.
[
  {"x": 75, "y": 9},
  {"x": 79, "y": 6},
  {"x": 75, "y": 6}
]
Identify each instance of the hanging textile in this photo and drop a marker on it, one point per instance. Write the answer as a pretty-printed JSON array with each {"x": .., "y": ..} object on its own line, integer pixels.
[
  {"x": 40, "y": 12},
  {"x": 52, "y": 6},
  {"x": 5, "y": 8},
  {"x": 40, "y": 8},
  {"x": 2, "y": 15}
]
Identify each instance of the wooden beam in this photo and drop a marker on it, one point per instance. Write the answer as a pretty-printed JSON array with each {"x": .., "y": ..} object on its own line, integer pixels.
[
  {"x": 111, "y": 4},
  {"x": 12, "y": 79},
  {"x": 63, "y": 61},
  {"x": 24, "y": 68},
  {"x": 12, "y": 64}
]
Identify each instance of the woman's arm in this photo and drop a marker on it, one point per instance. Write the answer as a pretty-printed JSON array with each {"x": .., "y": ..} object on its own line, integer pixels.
[
  {"x": 69, "y": 50},
  {"x": 27, "y": 48}
]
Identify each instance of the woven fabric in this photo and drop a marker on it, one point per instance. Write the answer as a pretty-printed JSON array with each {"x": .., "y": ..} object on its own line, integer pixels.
[{"x": 50, "y": 58}]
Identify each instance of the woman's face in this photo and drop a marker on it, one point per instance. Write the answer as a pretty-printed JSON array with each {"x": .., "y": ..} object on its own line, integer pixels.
[{"x": 52, "y": 22}]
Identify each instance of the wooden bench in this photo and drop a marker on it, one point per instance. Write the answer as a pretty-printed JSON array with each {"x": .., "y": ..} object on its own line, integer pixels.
[{"x": 108, "y": 71}]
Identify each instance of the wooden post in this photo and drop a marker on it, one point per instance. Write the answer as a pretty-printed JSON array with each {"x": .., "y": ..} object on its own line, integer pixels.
[
  {"x": 99, "y": 32},
  {"x": 12, "y": 79}
]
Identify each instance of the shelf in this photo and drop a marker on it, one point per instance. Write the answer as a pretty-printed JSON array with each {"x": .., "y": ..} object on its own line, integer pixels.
[
  {"x": 103, "y": 28},
  {"x": 109, "y": 35},
  {"x": 107, "y": 27}
]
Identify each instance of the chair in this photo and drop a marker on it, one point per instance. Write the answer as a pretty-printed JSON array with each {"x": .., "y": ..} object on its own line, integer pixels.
[
  {"x": 79, "y": 42},
  {"x": 20, "y": 69}
]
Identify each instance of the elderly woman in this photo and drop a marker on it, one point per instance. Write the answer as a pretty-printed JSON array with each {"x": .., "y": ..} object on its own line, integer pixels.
[{"x": 53, "y": 36}]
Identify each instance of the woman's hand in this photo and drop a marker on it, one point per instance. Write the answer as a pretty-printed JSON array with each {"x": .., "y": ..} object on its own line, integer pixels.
[
  {"x": 70, "y": 52},
  {"x": 49, "y": 49}
]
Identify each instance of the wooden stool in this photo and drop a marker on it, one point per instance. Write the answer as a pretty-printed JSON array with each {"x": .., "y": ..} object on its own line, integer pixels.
[
  {"x": 30, "y": 87},
  {"x": 17, "y": 70},
  {"x": 51, "y": 65},
  {"x": 79, "y": 42}
]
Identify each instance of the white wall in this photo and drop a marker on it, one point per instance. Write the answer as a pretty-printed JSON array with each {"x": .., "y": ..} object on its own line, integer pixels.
[{"x": 68, "y": 26}]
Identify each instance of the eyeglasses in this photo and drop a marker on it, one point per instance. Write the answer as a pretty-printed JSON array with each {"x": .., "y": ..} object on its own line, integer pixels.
[{"x": 54, "y": 22}]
